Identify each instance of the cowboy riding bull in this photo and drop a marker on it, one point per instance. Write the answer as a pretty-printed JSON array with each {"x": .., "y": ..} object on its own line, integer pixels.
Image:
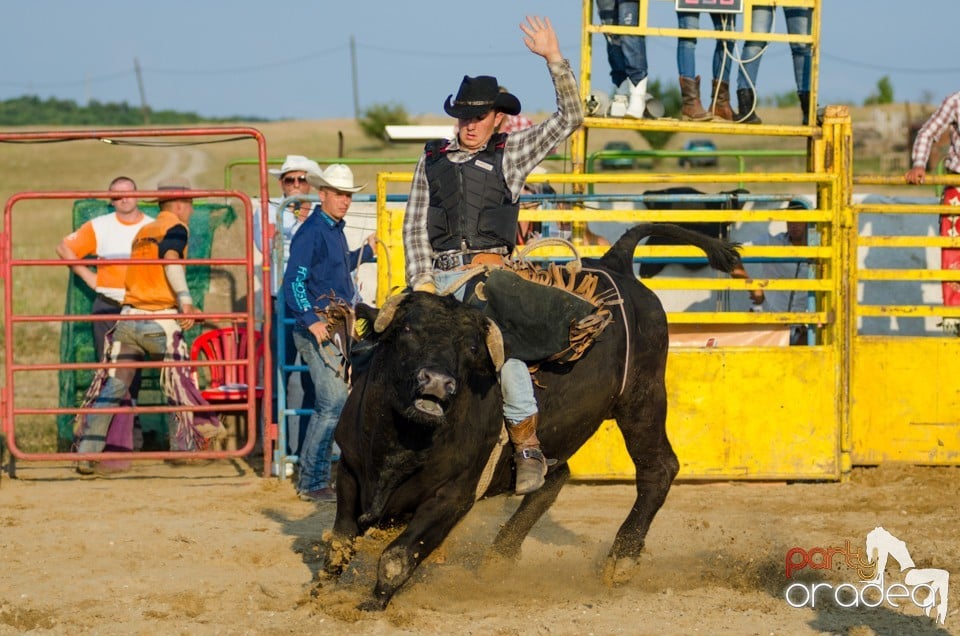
[{"x": 422, "y": 431}]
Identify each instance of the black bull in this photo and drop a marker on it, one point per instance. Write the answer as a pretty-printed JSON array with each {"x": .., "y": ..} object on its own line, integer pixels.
[{"x": 424, "y": 417}]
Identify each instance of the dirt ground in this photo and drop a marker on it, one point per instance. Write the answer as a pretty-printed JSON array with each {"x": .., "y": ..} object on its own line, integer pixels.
[{"x": 218, "y": 550}]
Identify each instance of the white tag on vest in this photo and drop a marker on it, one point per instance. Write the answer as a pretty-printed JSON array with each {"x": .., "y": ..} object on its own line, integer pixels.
[{"x": 483, "y": 164}]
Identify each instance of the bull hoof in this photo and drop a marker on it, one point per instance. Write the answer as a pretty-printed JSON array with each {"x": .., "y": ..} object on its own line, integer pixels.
[
  {"x": 617, "y": 571},
  {"x": 339, "y": 553}
]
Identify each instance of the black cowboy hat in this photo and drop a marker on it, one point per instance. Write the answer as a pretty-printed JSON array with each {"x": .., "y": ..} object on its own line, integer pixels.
[{"x": 479, "y": 95}]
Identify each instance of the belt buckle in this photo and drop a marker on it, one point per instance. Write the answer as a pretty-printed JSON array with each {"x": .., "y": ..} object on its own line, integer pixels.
[{"x": 449, "y": 261}]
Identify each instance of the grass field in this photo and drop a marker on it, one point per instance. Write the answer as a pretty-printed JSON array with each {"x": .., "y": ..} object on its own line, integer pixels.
[{"x": 38, "y": 226}]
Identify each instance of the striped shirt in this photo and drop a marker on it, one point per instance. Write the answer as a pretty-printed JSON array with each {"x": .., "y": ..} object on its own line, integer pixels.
[
  {"x": 948, "y": 114},
  {"x": 523, "y": 151}
]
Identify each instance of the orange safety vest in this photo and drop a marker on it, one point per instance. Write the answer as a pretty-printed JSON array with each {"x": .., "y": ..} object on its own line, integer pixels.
[{"x": 146, "y": 285}]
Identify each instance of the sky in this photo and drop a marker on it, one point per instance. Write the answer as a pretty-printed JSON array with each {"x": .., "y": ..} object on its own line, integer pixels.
[{"x": 221, "y": 58}]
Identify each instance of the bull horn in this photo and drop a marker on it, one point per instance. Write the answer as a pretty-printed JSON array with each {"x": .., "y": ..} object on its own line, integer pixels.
[
  {"x": 495, "y": 344},
  {"x": 385, "y": 315}
]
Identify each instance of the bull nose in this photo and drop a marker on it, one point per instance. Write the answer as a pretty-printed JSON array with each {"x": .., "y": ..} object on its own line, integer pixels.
[{"x": 436, "y": 383}]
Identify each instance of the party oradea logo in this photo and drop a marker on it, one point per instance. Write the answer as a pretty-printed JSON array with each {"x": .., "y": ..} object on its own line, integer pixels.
[{"x": 926, "y": 588}]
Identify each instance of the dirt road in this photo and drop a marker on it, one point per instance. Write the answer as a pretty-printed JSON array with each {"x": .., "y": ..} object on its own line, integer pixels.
[{"x": 216, "y": 550}]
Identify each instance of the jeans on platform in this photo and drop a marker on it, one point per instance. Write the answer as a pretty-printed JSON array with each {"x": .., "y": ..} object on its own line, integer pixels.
[
  {"x": 798, "y": 23},
  {"x": 133, "y": 340},
  {"x": 330, "y": 387},
  {"x": 627, "y": 54},
  {"x": 687, "y": 47}
]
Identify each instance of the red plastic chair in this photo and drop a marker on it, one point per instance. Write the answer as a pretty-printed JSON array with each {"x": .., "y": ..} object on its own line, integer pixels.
[{"x": 227, "y": 383}]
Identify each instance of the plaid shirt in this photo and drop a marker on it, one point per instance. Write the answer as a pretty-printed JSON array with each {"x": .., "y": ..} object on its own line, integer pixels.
[
  {"x": 948, "y": 114},
  {"x": 523, "y": 151}
]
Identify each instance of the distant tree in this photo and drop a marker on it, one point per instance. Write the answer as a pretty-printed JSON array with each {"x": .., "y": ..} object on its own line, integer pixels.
[
  {"x": 884, "y": 94},
  {"x": 30, "y": 110},
  {"x": 671, "y": 100},
  {"x": 376, "y": 118}
]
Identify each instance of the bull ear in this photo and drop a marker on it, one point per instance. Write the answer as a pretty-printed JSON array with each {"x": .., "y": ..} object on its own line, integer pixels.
[
  {"x": 366, "y": 317},
  {"x": 385, "y": 315},
  {"x": 495, "y": 344}
]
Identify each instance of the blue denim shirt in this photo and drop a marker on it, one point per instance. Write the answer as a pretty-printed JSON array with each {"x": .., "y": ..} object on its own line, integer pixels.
[{"x": 320, "y": 264}]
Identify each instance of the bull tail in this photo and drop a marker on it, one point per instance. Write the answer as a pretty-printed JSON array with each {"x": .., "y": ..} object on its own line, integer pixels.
[{"x": 722, "y": 255}]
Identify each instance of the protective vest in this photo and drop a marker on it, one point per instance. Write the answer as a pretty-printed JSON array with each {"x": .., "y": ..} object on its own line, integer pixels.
[
  {"x": 470, "y": 202},
  {"x": 146, "y": 285}
]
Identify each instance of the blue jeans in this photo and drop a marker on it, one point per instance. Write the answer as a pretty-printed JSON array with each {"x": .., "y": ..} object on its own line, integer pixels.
[
  {"x": 798, "y": 23},
  {"x": 627, "y": 54},
  {"x": 133, "y": 340},
  {"x": 516, "y": 385},
  {"x": 687, "y": 47},
  {"x": 330, "y": 387}
]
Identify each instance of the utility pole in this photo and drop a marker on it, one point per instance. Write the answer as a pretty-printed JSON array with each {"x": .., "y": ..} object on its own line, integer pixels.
[
  {"x": 143, "y": 94},
  {"x": 353, "y": 69}
]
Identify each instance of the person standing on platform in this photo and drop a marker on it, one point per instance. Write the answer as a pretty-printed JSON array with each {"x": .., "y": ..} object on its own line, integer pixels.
[
  {"x": 723, "y": 58},
  {"x": 799, "y": 22},
  {"x": 627, "y": 56}
]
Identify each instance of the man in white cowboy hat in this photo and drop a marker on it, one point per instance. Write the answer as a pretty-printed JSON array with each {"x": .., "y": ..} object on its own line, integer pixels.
[
  {"x": 439, "y": 229},
  {"x": 292, "y": 176},
  {"x": 318, "y": 275}
]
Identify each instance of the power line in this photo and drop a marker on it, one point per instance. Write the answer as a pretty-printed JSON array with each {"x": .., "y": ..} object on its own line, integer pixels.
[{"x": 891, "y": 69}]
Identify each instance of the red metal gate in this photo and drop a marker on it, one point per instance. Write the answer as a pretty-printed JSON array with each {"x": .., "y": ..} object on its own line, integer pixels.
[{"x": 10, "y": 408}]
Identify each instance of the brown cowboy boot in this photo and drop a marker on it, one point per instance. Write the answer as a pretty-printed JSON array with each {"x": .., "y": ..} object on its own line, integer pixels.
[
  {"x": 531, "y": 464},
  {"x": 692, "y": 109},
  {"x": 721, "y": 104}
]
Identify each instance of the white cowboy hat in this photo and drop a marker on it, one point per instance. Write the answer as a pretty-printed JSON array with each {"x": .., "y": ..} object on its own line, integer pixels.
[
  {"x": 296, "y": 162},
  {"x": 337, "y": 176}
]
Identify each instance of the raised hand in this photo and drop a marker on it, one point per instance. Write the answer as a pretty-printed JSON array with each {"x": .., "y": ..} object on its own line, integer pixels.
[{"x": 541, "y": 38}]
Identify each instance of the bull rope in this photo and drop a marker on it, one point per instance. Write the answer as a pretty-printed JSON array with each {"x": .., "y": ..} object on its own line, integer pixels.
[
  {"x": 626, "y": 327},
  {"x": 487, "y": 475}
]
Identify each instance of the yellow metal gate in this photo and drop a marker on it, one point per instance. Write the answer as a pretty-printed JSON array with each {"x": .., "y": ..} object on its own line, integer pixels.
[
  {"x": 753, "y": 412},
  {"x": 905, "y": 389}
]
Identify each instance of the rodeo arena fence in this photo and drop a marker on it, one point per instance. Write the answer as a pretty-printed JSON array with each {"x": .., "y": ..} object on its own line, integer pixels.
[
  {"x": 872, "y": 379},
  {"x": 74, "y": 370}
]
